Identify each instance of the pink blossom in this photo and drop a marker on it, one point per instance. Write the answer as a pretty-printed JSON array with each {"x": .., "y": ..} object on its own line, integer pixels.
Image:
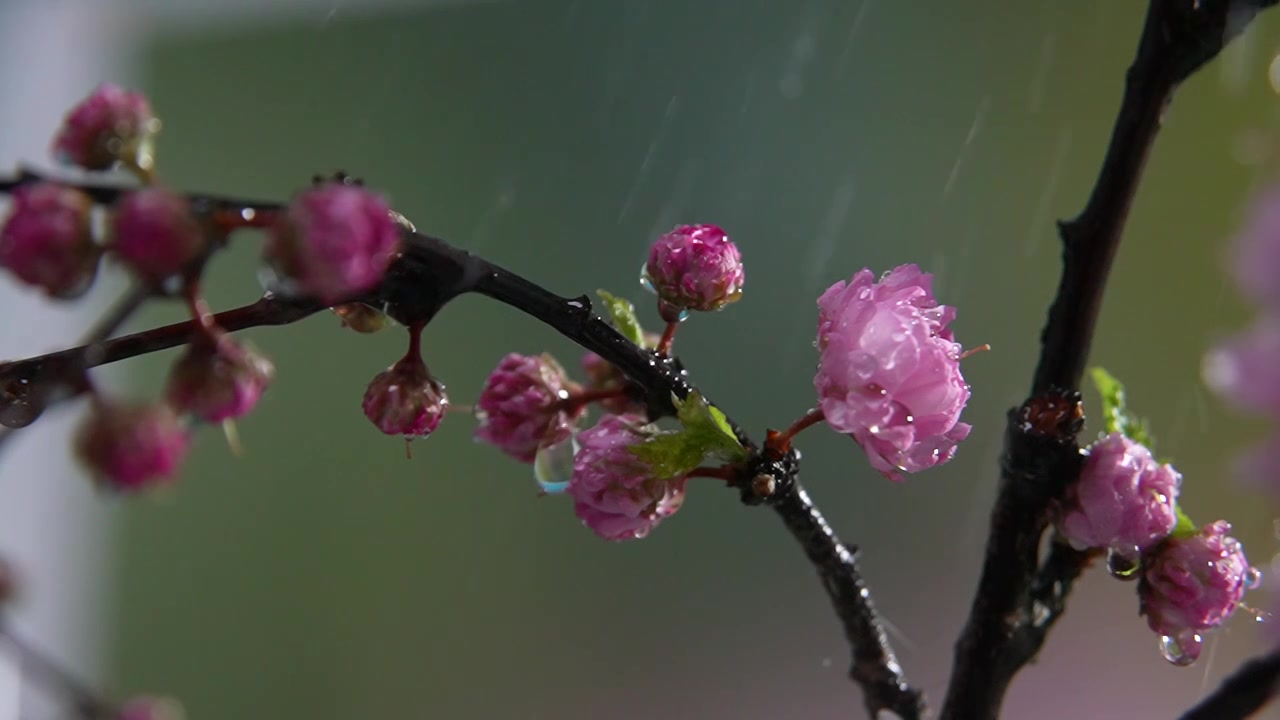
[
  {"x": 522, "y": 405},
  {"x": 405, "y": 399},
  {"x": 155, "y": 233},
  {"x": 1255, "y": 259},
  {"x": 335, "y": 241},
  {"x": 47, "y": 241},
  {"x": 1194, "y": 583},
  {"x": 111, "y": 125},
  {"x": 1243, "y": 368},
  {"x": 614, "y": 492},
  {"x": 219, "y": 379},
  {"x": 889, "y": 371},
  {"x": 1124, "y": 499},
  {"x": 694, "y": 267},
  {"x": 132, "y": 446}
]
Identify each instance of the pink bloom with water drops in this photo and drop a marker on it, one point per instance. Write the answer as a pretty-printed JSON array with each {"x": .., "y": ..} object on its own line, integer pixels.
[
  {"x": 694, "y": 267},
  {"x": 889, "y": 370},
  {"x": 219, "y": 379},
  {"x": 334, "y": 241},
  {"x": 47, "y": 241},
  {"x": 1124, "y": 499},
  {"x": 523, "y": 406},
  {"x": 405, "y": 399},
  {"x": 111, "y": 125},
  {"x": 614, "y": 492},
  {"x": 1193, "y": 584},
  {"x": 155, "y": 234},
  {"x": 132, "y": 446}
]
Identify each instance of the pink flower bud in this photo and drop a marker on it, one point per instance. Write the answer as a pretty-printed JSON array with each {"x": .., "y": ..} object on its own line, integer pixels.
[
  {"x": 111, "y": 125},
  {"x": 132, "y": 446},
  {"x": 614, "y": 492},
  {"x": 522, "y": 406},
  {"x": 219, "y": 379},
  {"x": 1123, "y": 500},
  {"x": 1243, "y": 369},
  {"x": 151, "y": 708},
  {"x": 405, "y": 400},
  {"x": 155, "y": 233},
  {"x": 1192, "y": 584},
  {"x": 1256, "y": 251},
  {"x": 889, "y": 371},
  {"x": 694, "y": 267},
  {"x": 334, "y": 241},
  {"x": 47, "y": 241}
]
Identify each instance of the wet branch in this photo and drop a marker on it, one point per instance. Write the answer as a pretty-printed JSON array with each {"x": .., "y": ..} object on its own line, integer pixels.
[
  {"x": 1247, "y": 691},
  {"x": 1020, "y": 595}
]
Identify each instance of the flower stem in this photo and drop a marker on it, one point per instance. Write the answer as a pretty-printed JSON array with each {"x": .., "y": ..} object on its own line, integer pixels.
[
  {"x": 668, "y": 338},
  {"x": 778, "y": 443},
  {"x": 728, "y": 473}
]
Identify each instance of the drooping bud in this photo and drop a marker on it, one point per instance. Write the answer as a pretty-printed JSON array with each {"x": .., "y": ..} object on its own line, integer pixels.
[
  {"x": 112, "y": 125},
  {"x": 155, "y": 233},
  {"x": 219, "y": 379},
  {"x": 334, "y": 241},
  {"x": 889, "y": 371},
  {"x": 522, "y": 406},
  {"x": 614, "y": 492},
  {"x": 694, "y": 267},
  {"x": 47, "y": 240},
  {"x": 132, "y": 446},
  {"x": 405, "y": 399},
  {"x": 1124, "y": 499}
]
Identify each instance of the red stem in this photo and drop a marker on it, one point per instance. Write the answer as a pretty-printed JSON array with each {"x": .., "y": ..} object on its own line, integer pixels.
[
  {"x": 728, "y": 473},
  {"x": 668, "y": 338},
  {"x": 778, "y": 443}
]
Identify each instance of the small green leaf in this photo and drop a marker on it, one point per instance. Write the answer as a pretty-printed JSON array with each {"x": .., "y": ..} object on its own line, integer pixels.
[
  {"x": 1116, "y": 416},
  {"x": 706, "y": 436},
  {"x": 1185, "y": 527},
  {"x": 623, "y": 315}
]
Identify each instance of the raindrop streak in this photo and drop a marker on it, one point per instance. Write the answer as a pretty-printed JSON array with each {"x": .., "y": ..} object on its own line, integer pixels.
[
  {"x": 1035, "y": 99},
  {"x": 1124, "y": 564},
  {"x": 1040, "y": 218},
  {"x": 1181, "y": 653},
  {"x": 553, "y": 466},
  {"x": 842, "y": 63},
  {"x": 978, "y": 117}
]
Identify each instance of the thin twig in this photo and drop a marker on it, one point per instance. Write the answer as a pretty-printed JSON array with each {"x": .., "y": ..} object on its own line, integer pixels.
[{"x": 1245, "y": 692}]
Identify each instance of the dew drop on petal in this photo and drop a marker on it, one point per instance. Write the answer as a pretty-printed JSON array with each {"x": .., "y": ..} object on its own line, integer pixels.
[
  {"x": 553, "y": 466},
  {"x": 1252, "y": 578},
  {"x": 646, "y": 281}
]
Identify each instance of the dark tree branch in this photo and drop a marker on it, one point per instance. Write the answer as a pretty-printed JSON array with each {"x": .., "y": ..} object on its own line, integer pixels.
[
  {"x": 1019, "y": 596},
  {"x": 1244, "y": 693},
  {"x": 427, "y": 276}
]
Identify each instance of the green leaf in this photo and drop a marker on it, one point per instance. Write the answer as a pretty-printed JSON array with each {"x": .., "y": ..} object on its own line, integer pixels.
[
  {"x": 706, "y": 436},
  {"x": 623, "y": 316},
  {"x": 1185, "y": 527},
  {"x": 1116, "y": 416}
]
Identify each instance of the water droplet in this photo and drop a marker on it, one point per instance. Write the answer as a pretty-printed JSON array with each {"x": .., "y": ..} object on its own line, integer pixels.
[
  {"x": 1040, "y": 614},
  {"x": 19, "y": 404},
  {"x": 646, "y": 281},
  {"x": 1252, "y": 578},
  {"x": 1124, "y": 563},
  {"x": 1182, "y": 650},
  {"x": 553, "y": 466}
]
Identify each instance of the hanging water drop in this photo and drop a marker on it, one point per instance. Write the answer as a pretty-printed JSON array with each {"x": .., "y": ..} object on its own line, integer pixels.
[
  {"x": 553, "y": 466},
  {"x": 1124, "y": 563},
  {"x": 1252, "y": 578},
  {"x": 19, "y": 404},
  {"x": 1181, "y": 651},
  {"x": 646, "y": 281}
]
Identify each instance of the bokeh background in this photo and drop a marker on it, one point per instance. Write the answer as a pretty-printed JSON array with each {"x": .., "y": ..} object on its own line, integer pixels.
[{"x": 323, "y": 575}]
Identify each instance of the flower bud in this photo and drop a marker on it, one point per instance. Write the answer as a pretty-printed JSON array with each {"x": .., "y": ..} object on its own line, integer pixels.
[
  {"x": 614, "y": 492},
  {"x": 47, "y": 241},
  {"x": 1124, "y": 499},
  {"x": 889, "y": 371},
  {"x": 132, "y": 446},
  {"x": 522, "y": 406},
  {"x": 155, "y": 233},
  {"x": 334, "y": 241},
  {"x": 405, "y": 400},
  {"x": 694, "y": 267},
  {"x": 111, "y": 125},
  {"x": 219, "y": 379}
]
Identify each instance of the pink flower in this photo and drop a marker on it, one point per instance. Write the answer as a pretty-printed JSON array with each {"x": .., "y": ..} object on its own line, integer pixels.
[
  {"x": 889, "y": 370},
  {"x": 1243, "y": 369},
  {"x": 155, "y": 233},
  {"x": 1192, "y": 584},
  {"x": 151, "y": 708},
  {"x": 614, "y": 492},
  {"x": 1255, "y": 257},
  {"x": 132, "y": 446},
  {"x": 694, "y": 267},
  {"x": 111, "y": 125},
  {"x": 335, "y": 241},
  {"x": 219, "y": 379},
  {"x": 1124, "y": 498},
  {"x": 405, "y": 400},
  {"x": 47, "y": 241},
  {"x": 522, "y": 405}
]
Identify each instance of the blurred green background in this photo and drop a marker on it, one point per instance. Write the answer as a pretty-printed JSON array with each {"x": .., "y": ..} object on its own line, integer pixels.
[{"x": 324, "y": 576}]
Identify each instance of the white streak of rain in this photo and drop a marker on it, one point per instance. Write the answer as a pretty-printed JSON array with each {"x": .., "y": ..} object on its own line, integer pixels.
[
  {"x": 842, "y": 62},
  {"x": 1035, "y": 98},
  {"x": 979, "y": 116},
  {"x": 673, "y": 108},
  {"x": 1040, "y": 220}
]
